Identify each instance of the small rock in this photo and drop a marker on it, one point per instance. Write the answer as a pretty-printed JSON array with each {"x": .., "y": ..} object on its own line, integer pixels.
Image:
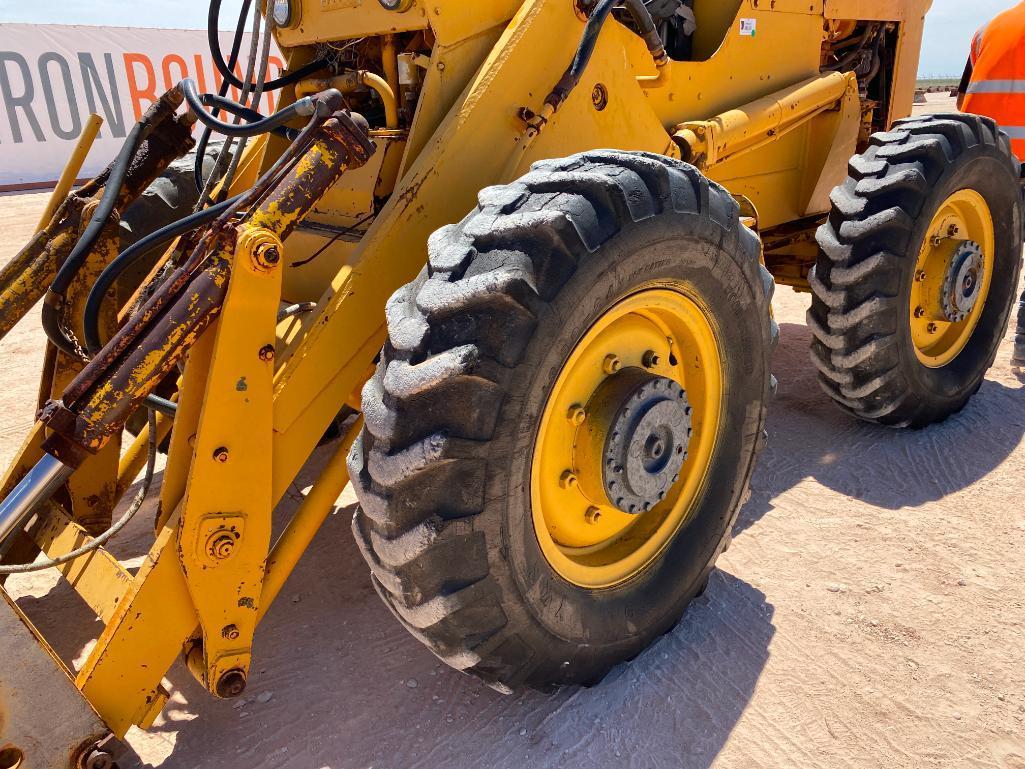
[
  {"x": 957, "y": 716},
  {"x": 873, "y": 623},
  {"x": 449, "y": 719},
  {"x": 242, "y": 714},
  {"x": 239, "y": 704},
  {"x": 523, "y": 732},
  {"x": 962, "y": 582},
  {"x": 837, "y": 588},
  {"x": 296, "y": 598},
  {"x": 1002, "y": 698},
  {"x": 264, "y": 697},
  {"x": 411, "y": 683}
]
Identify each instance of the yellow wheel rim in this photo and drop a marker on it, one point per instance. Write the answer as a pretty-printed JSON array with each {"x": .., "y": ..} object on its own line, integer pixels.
[
  {"x": 961, "y": 229},
  {"x": 666, "y": 333}
]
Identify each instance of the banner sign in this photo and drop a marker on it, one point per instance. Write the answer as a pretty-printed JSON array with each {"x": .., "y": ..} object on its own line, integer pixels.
[{"x": 52, "y": 77}]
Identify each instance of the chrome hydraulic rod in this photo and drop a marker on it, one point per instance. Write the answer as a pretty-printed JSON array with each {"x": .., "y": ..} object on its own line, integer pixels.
[{"x": 38, "y": 485}]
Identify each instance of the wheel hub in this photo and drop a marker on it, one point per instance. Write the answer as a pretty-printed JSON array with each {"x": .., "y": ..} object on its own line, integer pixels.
[
  {"x": 964, "y": 280},
  {"x": 646, "y": 444}
]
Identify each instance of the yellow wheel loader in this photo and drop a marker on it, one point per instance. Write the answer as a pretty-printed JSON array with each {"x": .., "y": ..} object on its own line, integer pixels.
[{"x": 517, "y": 256}]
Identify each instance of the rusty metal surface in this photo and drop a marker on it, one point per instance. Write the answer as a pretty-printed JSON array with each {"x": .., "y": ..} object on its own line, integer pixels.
[
  {"x": 95, "y": 405},
  {"x": 24, "y": 280},
  {"x": 101, "y": 410},
  {"x": 42, "y": 713},
  {"x": 341, "y": 144}
]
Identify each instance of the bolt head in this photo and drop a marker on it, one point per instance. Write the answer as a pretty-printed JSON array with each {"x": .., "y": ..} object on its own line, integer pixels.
[
  {"x": 221, "y": 454},
  {"x": 221, "y": 546},
  {"x": 231, "y": 684},
  {"x": 932, "y": 328},
  {"x": 611, "y": 364},
  {"x": 99, "y": 759},
  {"x": 953, "y": 231},
  {"x": 935, "y": 241},
  {"x": 267, "y": 353},
  {"x": 919, "y": 312},
  {"x": 231, "y": 632},
  {"x": 920, "y": 275},
  {"x": 593, "y": 515},
  {"x": 568, "y": 479},
  {"x": 651, "y": 359},
  {"x": 576, "y": 414}
]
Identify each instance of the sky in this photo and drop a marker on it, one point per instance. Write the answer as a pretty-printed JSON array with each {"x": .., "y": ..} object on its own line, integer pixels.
[{"x": 948, "y": 29}]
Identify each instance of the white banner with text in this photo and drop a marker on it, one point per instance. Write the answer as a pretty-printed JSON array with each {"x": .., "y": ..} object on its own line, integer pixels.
[{"x": 52, "y": 77}]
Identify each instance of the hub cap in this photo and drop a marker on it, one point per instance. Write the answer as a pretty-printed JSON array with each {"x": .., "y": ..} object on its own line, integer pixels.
[
  {"x": 627, "y": 437},
  {"x": 952, "y": 278},
  {"x": 964, "y": 281},
  {"x": 646, "y": 444}
]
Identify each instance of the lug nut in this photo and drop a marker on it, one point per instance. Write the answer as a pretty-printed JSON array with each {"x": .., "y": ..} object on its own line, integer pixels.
[
  {"x": 593, "y": 515},
  {"x": 651, "y": 359},
  {"x": 935, "y": 241},
  {"x": 953, "y": 231},
  {"x": 230, "y": 632},
  {"x": 267, "y": 353},
  {"x": 931, "y": 328},
  {"x": 919, "y": 275},
  {"x": 576, "y": 414},
  {"x": 919, "y": 312},
  {"x": 611, "y": 364},
  {"x": 221, "y": 454},
  {"x": 568, "y": 479}
]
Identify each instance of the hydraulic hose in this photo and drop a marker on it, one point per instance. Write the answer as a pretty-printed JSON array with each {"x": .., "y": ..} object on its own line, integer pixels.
[
  {"x": 198, "y": 103},
  {"x": 213, "y": 22},
  {"x": 114, "y": 270},
  {"x": 246, "y": 113},
  {"x": 595, "y": 23},
  {"x": 204, "y": 138}
]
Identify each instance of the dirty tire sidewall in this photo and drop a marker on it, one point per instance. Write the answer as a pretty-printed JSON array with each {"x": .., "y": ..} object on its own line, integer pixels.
[{"x": 628, "y": 616}]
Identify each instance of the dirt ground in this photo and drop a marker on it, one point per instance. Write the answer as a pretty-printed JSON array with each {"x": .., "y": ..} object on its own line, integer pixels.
[{"x": 870, "y": 613}]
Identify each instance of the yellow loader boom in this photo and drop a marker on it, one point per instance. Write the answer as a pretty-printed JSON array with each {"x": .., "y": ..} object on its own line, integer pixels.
[{"x": 550, "y": 407}]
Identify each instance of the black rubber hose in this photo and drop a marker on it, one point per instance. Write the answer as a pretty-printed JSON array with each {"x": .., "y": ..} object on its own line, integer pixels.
[
  {"x": 213, "y": 22},
  {"x": 204, "y": 138},
  {"x": 198, "y": 103},
  {"x": 645, "y": 26},
  {"x": 595, "y": 22},
  {"x": 246, "y": 113},
  {"x": 114, "y": 270}
]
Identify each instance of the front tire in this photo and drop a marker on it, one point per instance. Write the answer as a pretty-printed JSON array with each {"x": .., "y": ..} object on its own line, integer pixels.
[{"x": 467, "y": 413}]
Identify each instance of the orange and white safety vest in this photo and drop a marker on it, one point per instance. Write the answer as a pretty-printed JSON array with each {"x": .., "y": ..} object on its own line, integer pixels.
[{"x": 997, "y": 85}]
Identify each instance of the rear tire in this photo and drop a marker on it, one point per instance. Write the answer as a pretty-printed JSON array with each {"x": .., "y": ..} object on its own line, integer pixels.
[
  {"x": 864, "y": 346},
  {"x": 443, "y": 467}
]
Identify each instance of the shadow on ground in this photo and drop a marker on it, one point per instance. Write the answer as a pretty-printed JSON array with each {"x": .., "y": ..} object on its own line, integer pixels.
[
  {"x": 337, "y": 683},
  {"x": 812, "y": 438},
  {"x": 344, "y": 686}
]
